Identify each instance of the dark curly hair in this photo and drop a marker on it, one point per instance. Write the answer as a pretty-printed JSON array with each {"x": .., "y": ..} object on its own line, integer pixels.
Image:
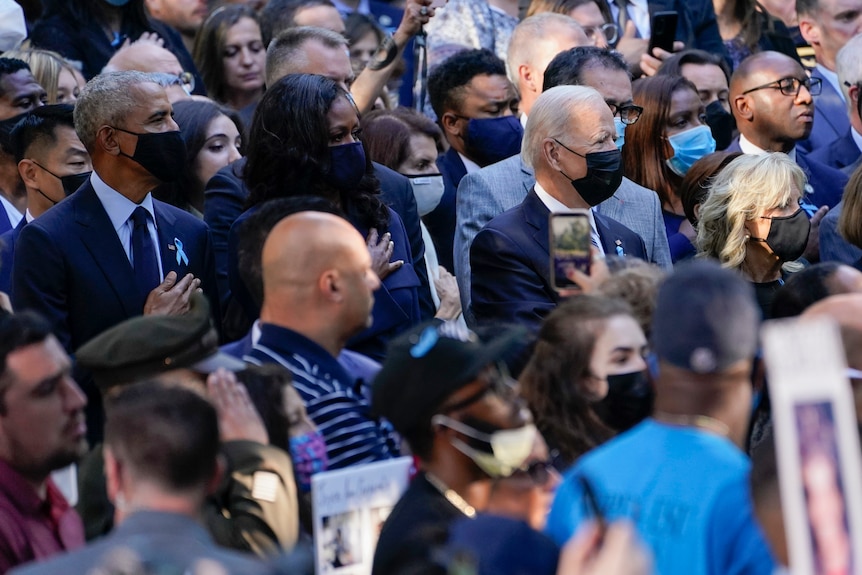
[
  {"x": 288, "y": 151},
  {"x": 553, "y": 379},
  {"x": 447, "y": 80}
]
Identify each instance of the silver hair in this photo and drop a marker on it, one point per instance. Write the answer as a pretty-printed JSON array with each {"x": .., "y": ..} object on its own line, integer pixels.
[
  {"x": 530, "y": 33},
  {"x": 848, "y": 65},
  {"x": 108, "y": 99},
  {"x": 550, "y": 115}
]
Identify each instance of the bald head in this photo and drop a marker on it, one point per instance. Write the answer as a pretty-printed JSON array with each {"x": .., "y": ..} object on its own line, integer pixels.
[
  {"x": 144, "y": 57},
  {"x": 749, "y": 72},
  {"x": 846, "y": 311}
]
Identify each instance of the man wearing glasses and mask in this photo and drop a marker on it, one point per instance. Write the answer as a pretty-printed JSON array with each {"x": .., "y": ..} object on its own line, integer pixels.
[
  {"x": 771, "y": 99},
  {"x": 449, "y": 396}
]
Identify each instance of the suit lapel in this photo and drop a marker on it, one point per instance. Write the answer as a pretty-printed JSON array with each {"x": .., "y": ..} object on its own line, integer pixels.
[
  {"x": 169, "y": 248},
  {"x": 612, "y": 243},
  {"x": 101, "y": 240},
  {"x": 536, "y": 215}
]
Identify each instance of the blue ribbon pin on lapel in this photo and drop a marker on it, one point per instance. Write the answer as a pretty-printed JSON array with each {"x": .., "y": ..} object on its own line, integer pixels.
[
  {"x": 181, "y": 255},
  {"x": 619, "y": 248}
]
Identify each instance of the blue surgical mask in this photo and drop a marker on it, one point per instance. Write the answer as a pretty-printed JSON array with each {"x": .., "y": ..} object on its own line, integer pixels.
[
  {"x": 689, "y": 147},
  {"x": 621, "y": 133},
  {"x": 346, "y": 166},
  {"x": 492, "y": 140}
]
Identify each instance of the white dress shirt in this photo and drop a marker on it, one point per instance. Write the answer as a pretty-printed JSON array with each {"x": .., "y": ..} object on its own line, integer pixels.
[
  {"x": 638, "y": 12},
  {"x": 120, "y": 209},
  {"x": 857, "y": 137},
  {"x": 748, "y": 148},
  {"x": 469, "y": 164},
  {"x": 11, "y": 211},
  {"x": 558, "y": 207}
]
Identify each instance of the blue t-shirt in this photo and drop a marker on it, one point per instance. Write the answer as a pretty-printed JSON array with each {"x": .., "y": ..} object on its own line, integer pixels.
[{"x": 685, "y": 490}]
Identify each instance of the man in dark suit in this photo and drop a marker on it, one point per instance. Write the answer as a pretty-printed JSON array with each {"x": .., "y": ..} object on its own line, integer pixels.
[
  {"x": 111, "y": 252},
  {"x": 771, "y": 99},
  {"x": 569, "y": 143},
  {"x": 472, "y": 98},
  {"x": 308, "y": 50},
  {"x": 52, "y": 163},
  {"x": 827, "y": 25}
]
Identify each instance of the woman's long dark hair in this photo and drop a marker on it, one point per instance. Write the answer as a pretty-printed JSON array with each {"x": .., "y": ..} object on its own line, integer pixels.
[
  {"x": 194, "y": 118},
  {"x": 553, "y": 380},
  {"x": 288, "y": 151}
]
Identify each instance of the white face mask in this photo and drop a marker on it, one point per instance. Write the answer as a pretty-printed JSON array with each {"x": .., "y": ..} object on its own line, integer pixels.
[
  {"x": 510, "y": 448},
  {"x": 428, "y": 191}
]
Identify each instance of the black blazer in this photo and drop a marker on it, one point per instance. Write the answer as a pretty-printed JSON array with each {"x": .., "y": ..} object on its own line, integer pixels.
[{"x": 509, "y": 259}]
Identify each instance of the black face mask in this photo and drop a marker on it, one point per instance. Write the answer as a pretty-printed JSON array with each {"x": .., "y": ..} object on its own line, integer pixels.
[
  {"x": 70, "y": 183},
  {"x": 163, "y": 154},
  {"x": 788, "y": 236},
  {"x": 604, "y": 175},
  {"x": 629, "y": 400},
  {"x": 721, "y": 123}
]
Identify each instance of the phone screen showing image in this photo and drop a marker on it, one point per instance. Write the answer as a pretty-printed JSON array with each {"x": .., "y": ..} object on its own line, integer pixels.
[{"x": 570, "y": 247}]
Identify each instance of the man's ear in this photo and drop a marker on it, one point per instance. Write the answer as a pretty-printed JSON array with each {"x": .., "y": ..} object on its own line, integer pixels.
[
  {"x": 106, "y": 138},
  {"x": 810, "y": 30},
  {"x": 330, "y": 286},
  {"x": 528, "y": 79},
  {"x": 27, "y": 171},
  {"x": 741, "y": 108},
  {"x": 551, "y": 151},
  {"x": 449, "y": 121},
  {"x": 113, "y": 473}
]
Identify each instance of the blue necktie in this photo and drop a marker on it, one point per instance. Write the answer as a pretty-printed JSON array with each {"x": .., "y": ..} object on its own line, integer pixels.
[{"x": 144, "y": 253}]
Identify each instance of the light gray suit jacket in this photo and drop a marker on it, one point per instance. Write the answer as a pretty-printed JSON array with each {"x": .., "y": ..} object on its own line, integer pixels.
[{"x": 485, "y": 194}]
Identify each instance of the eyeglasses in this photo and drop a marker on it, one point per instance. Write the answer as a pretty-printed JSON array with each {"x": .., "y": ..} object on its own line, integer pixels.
[
  {"x": 628, "y": 113},
  {"x": 499, "y": 382},
  {"x": 799, "y": 209},
  {"x": 609, "y": 32},
  {"x": 791, "y": 86}
]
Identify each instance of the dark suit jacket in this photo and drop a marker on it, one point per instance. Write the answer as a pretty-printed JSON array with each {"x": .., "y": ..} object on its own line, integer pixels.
[
  {"x": 224, "y": 201},
  {"x": 5, "y": 223},
  {"x": 441, "y": 221},
  {"x": 826, "y": 184},
  {"x": 696, "y": 26},
  {"x": 839, "y": 154},
  {"x": 70, "y": 267},
  {"x": 7, "y": 251},
  {"x": 830, "y": 116},
  {"x": 510, "y": 262}
]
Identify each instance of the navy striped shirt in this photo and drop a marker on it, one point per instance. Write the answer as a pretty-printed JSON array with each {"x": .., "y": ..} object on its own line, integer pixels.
[{"x": 340, "y": 412}]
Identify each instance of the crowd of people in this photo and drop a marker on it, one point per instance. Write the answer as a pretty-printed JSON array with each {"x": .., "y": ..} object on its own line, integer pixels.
[{"x": 244, "y": 242}]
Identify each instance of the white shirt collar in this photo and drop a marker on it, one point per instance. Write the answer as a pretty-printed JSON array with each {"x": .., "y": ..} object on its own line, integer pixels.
[
  {"x": 11, "y": 211},
  {"x": 118, "y": 206},
  {"x": 523, "y": 121},
  {"x": 28, "y": 216},
  {"x": 469, "y": 164},
  {"x": 857, "y": 137},
  {"x": 832, "y": 78},
  {"x": 748, "y": 148},
  {"x": 556, "y": 206}
]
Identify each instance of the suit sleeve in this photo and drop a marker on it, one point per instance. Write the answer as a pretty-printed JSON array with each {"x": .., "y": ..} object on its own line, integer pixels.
[
  {"x": 223, "y": 200},
  {"x": 660, "y": 248},
  {"x": 474, "y": 207},
  {"x": 209, "y": 281},
  {"x": 39, "y": 280},
  {"x": 256, "y": 506},
  {"x": 505, "y": 288},
  {"x": 832, "y": 246}
]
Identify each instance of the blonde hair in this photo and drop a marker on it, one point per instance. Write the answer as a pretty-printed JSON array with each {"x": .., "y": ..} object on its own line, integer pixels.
[
  {"x": 850, "y": 220},
  {"x": 45, "y": 66},
  {"x": 743, "y": 191}
]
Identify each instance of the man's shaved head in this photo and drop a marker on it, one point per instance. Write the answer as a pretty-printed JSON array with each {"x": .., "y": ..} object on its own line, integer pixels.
[
  {"x": 317, "y": 275},
  {"x": 144, "y": 57}
]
